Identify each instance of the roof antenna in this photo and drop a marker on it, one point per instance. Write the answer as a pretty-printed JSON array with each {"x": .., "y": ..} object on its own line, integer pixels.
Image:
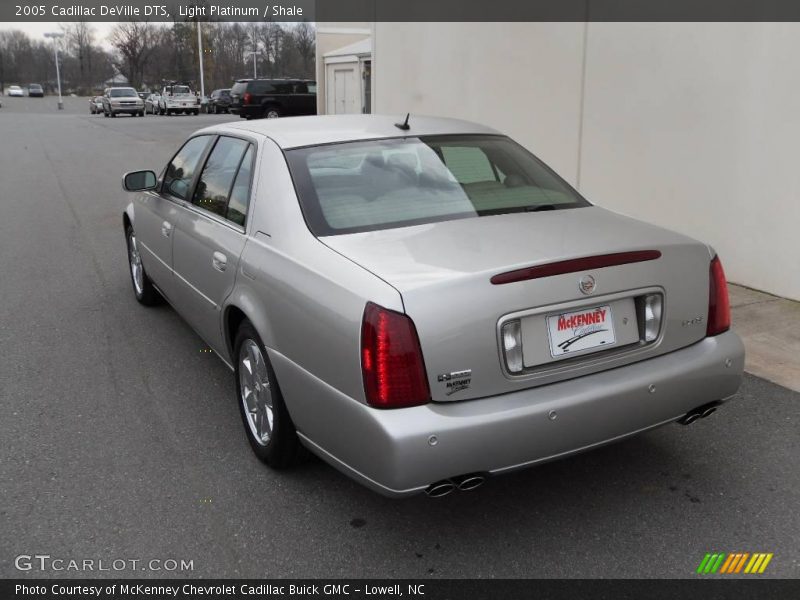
[{"x": 404, "y": 125}]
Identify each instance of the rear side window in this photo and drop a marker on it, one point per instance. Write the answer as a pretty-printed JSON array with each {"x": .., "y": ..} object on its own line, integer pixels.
[
  {"x": 216, "y": 181},
  {"x": 261, "y": 87},
  {"x": 181, "y": 170},
  {"x": 283, "y": 88},
  {"x": 240, "y": 194},
  {"x": 239, "y": 88}
]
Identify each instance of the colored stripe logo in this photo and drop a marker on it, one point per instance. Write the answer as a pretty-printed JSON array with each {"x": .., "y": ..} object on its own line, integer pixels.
[{"x": 734, "y": 562}]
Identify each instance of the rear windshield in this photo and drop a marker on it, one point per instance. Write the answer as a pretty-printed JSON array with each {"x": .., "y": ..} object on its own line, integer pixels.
[
  {"x": 381, "y": 184},
  {"x": 122, "y": 93}
]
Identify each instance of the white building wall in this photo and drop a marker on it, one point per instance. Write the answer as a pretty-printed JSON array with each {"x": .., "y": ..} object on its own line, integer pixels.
[
  {"x": 691, "y": 126},
  {"x": 517, "y": 77}
]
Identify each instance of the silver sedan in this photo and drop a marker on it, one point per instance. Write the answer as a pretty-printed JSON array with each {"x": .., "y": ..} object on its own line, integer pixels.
[{"x": 425, "y": 303}]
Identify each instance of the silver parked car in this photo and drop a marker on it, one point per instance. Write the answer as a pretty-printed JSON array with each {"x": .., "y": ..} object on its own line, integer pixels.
[
  {"x": 423, "y": 304},
  {"x": 122, "y": 101},
  {"x": 95, "y": 105},
  {"x": 151, "y": 103}
]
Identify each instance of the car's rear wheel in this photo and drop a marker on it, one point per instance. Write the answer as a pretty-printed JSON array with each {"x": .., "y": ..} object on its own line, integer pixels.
[
  {"x": 267, "y": 423},
  {"x": 143, "y": 288},
  {"x": 272, "y": 112}
]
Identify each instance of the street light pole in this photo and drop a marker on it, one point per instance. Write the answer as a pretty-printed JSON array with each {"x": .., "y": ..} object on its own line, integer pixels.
[
  {"x": 55, "y": 36},
  {"x": 254, "y": 63},
  {"x": 200, "y": 50}
]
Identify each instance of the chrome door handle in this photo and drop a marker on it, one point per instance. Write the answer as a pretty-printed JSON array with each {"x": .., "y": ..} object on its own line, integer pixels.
[
  {"x": 220, "y": 261},
  {"x": 166, "y": 228}
]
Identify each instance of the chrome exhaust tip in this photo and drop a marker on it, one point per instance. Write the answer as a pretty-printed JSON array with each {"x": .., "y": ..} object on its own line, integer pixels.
[
  {"x": 440, "y": 488},
  {"x": 701, "y": 412},
  {"x": 689, "y": 418},
  {"x": 469, "y": 482}
]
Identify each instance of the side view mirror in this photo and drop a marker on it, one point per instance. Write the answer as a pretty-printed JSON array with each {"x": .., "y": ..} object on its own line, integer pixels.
[{"x": 139, "y": 181}]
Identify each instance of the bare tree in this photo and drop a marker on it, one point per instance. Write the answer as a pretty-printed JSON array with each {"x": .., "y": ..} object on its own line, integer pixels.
[
  {"x": 305, "y": 43},
  {"x": 272, "y": 37},
  {"x": 134, "y": 40},
  {"x": 79, "y": 38}
]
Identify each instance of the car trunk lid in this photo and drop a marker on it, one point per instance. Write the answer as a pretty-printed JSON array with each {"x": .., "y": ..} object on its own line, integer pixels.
[{"x": 443, "y": 272}]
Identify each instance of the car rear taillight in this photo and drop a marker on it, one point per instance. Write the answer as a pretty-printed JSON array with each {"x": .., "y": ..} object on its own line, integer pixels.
[
  {"x": 246, "y": 98},
  {"x": 719, "y": 306},
  {"x": 391, "y": 360}
]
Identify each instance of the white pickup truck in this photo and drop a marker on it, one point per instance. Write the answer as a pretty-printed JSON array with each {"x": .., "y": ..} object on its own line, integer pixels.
[{"x": 178, "y": 99}]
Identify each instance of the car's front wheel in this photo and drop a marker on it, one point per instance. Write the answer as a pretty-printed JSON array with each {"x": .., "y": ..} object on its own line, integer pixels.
[
  {"x": 267, "y": 423},
  {"x": 143, "y": 288}
]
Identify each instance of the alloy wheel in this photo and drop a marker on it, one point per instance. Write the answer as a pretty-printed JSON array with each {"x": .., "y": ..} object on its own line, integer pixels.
[{"x": 255, "y": 391}]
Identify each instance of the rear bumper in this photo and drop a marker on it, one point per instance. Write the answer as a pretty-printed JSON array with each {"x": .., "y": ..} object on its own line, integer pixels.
[
  {"x": 390, "y": 450},
  {"x": 250, "y": 110}
]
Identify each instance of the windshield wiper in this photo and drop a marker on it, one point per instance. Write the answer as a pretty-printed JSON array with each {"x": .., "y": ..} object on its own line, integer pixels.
[{"x": 538, "y": 207}]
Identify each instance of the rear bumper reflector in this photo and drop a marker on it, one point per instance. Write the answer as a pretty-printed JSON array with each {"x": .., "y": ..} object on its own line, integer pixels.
[{"x": 575, "y": 265}]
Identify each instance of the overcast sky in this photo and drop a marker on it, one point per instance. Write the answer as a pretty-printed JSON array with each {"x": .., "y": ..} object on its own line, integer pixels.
[{"x": 37, "y": 30}]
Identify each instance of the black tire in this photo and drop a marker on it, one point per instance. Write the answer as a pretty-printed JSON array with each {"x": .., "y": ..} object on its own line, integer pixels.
[
  {"x": 105, "y": 114},
  {"x": 283, "y": 449},
  {"x": 272, "y": 112},
  {"x": 114, "y": 115},
  {"x": 196, "y": 112},
  {"x": 141, "y": 113},
  {"x": 148, "y": 295}
]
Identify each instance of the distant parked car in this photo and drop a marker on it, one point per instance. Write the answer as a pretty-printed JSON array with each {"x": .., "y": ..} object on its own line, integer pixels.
[
  {"x": 273, "y": 98},
  {"x": 122, "y": 100},
  {"x": 219, "y": 101},
  {"x": 143, "y": 95},
  {"x": 178, "y": 99},
  {"x": 15, "y": 90},
  {"x": 35, "y": 91},
  {"x": 151, "y": 103},
  {"x": 96, "y": 105}
]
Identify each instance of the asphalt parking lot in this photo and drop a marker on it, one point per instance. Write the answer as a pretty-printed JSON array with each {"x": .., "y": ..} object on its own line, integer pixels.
[{"x": 120, "y": 438}]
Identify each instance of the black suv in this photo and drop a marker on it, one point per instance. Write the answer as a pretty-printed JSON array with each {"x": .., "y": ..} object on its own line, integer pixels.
[{"x": 273, "y": 98}]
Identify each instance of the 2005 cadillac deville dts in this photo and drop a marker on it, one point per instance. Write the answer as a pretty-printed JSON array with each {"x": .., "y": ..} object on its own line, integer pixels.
[{"x": 424, "y": 303}]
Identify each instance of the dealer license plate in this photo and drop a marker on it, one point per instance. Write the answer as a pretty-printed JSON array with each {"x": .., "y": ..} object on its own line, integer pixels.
[{"x": 589, "y": 329}]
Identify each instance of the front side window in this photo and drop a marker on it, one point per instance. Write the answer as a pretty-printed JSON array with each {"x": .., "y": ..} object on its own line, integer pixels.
[
  {"x": 381, "y": 184},
  {"x": 222, "y": 180},
  {"x": 180, "y": 171}
]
